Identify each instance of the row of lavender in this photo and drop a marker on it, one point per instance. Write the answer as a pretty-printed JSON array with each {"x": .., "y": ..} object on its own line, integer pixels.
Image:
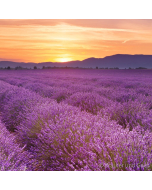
[
  {"x": 126, "y": 99},
  {"x": 73, "y": 121}
]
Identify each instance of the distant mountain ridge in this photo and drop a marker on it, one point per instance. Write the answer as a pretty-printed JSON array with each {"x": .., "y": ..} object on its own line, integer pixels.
[{"x": 121, "y": 61}]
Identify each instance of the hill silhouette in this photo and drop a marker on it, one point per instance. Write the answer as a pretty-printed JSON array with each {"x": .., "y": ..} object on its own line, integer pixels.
[{"x": 121, "y": 61}]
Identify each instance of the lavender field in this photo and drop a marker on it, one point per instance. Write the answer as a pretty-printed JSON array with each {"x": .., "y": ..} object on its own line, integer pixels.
[{"x": 76, "y": 119}]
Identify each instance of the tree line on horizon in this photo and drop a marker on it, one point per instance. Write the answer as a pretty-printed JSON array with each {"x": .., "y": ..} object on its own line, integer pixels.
[{"x": 66, "y": 67}]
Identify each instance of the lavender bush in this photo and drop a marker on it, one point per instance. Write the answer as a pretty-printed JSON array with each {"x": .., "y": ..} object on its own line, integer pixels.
[{"x": 12, "y": 156}]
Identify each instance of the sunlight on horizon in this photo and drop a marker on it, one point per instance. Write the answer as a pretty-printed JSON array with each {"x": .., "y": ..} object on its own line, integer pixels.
[{"x": 63, "y": 60}]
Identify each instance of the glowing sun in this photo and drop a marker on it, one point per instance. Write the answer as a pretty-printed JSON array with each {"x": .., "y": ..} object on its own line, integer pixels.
[{"x": 64, "y": 59}]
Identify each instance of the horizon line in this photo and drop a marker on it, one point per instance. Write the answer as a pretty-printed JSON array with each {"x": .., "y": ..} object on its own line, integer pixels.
[{"x": 71, "y": 60}]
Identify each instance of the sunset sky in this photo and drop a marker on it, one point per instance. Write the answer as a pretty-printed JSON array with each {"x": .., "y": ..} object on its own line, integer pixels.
[{"x": 66, "y": 40}]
